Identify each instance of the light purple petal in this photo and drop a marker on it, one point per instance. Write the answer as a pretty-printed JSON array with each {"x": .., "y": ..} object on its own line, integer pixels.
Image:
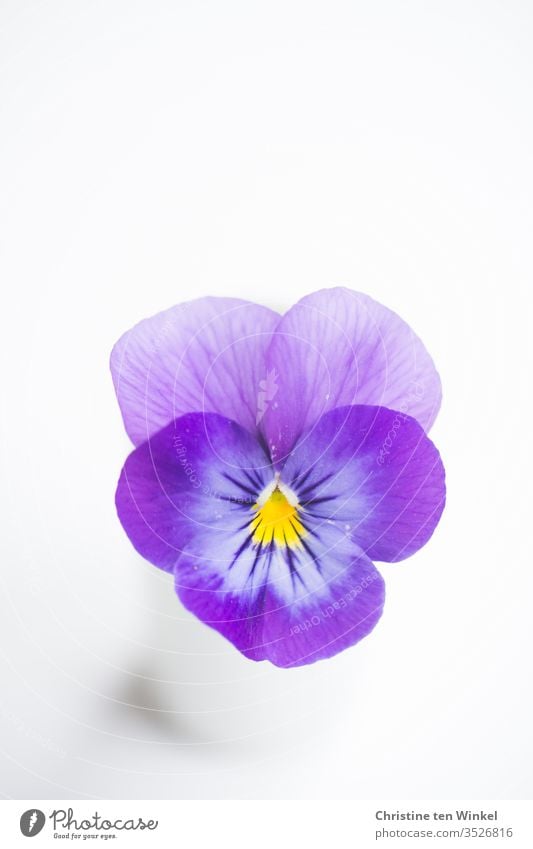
[
  {"x": 373, "y": 473},
  {"x": 337, "y": 347},
  {"x": 202, "y": 356}
]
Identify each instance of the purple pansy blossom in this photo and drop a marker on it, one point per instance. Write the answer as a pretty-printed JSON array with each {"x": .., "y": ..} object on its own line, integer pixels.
[{"x": 276, "y": 458}]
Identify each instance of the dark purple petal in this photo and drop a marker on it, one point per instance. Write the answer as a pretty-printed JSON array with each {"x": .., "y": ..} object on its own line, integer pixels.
[
  {"x": 330, "y": 599},
  {"x": 202, "y": 356},
  {"x": 372, "y": 472},
  {"x": 337, "y": 347},
  {"x": 197, "y": 476}
]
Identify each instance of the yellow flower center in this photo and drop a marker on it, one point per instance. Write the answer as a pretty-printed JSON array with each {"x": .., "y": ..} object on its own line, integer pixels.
[{"x": 277, "y": 519}]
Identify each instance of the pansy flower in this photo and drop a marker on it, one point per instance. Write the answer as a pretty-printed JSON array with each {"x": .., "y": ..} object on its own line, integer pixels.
[{"x": 276, "y": 458}]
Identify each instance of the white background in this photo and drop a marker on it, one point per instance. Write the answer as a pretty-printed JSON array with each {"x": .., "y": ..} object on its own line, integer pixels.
[{"x": 152, "y": 152}]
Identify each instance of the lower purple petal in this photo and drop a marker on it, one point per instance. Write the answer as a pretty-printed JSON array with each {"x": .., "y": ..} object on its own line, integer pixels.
[{"x": 289, "y": 625}]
